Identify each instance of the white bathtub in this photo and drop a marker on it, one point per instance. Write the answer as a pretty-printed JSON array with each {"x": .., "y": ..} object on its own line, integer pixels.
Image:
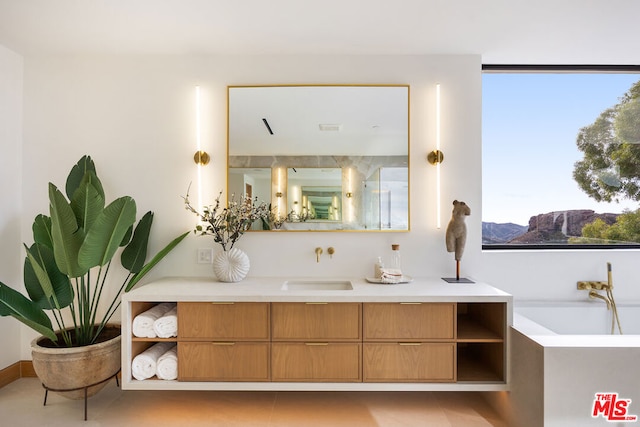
[
  {"x": 580, "y": 317},
  {"x": 562, "y": 355}
]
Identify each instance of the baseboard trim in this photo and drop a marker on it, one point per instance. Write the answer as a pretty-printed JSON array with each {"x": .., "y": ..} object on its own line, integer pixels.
[
  {"x": 26, "y": 369},
  {"x": 9, "y": 374},
  {"x": 21, "y": 369}
]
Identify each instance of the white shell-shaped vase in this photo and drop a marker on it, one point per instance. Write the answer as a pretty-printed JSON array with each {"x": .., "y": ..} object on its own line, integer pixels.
[{"x": 231, "y": 266}]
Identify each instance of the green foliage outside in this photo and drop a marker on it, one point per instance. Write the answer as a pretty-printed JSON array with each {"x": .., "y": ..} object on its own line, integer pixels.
[
  {"x": 626, "y": 229},
  {"x": 610, "y": 168}
]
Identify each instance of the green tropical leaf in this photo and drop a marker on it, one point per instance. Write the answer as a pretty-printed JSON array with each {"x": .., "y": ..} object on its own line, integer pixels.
[
  {"x": 155, "y": 260},
  {"x": 104, "y": 237},
  {"x": 42, "y": 231},
  {"x": 135, "y": 254},
  {"x": 56, "y": 283},
  {"x": 87, "y": 201},
  {"x": 66, "y": 235},
  {"x": 41, "y": 274},
  {"x": 76, "y": 175},
  {"x": 13, "y": 303},
  {"x": 127, "y": 237}
]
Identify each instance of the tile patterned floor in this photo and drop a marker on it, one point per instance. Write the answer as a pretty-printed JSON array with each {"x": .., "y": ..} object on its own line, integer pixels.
[{"x": 21, "y": 405}]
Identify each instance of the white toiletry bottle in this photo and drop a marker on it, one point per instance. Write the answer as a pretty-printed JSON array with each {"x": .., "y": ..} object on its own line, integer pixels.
[{"x": 377, "y": 268}]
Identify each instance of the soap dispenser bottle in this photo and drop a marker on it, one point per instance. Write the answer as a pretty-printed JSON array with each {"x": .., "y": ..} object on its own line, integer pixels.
[{"x": 377, "y": 268}]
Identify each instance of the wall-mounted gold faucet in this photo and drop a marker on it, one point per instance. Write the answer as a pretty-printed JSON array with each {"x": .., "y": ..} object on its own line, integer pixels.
[
  {"x": 594, "y": 286},
  {"x": 318, "y": 253},
  {"x": 594, "y": 294}
]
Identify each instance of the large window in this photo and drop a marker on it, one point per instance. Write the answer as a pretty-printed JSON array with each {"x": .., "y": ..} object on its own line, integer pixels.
[{"x": 560, "y": 157}]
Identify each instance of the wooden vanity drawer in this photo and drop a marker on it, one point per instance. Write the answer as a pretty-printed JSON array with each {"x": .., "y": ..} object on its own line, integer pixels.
[
  {"x": 316, "y": 321},
  {"x": 409, "y": 362},
  {"x": 318, "y": 362},
  {"x": 232, "y": 321},
  {"x": 223, "y": 361},
  {"x": 408, "y": 321}
]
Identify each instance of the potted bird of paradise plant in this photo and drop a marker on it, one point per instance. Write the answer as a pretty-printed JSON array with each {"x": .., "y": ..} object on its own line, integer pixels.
[{"x": 67, "y": 279}]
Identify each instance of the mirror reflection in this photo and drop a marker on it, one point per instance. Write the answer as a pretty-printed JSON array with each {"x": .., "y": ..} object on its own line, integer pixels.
[
  {"x": 325, "y": 157},
  {"x": 321, "y": 203},
  {"x": 314, "y": 194}
]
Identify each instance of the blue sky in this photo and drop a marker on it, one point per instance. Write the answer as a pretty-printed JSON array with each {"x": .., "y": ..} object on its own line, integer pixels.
[{"x": 530, "y": 123}]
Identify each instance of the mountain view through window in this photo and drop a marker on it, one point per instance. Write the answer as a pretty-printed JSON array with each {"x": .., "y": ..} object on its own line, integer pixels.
[{"x": 560, "y": 159}]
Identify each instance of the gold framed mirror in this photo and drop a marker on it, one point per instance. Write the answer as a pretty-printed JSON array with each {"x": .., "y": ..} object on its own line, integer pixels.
[{"x": 347, "y": 146}]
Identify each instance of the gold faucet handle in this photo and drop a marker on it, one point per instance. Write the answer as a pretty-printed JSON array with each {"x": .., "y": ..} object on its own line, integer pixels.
[
  {"x": 597, "y": 285},
  {"x": 318, "y": 253},
  {"x": 331, "y": 251}
]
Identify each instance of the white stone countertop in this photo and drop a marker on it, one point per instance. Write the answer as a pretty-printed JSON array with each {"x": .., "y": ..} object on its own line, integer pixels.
[{"x": 271, "y": 289}]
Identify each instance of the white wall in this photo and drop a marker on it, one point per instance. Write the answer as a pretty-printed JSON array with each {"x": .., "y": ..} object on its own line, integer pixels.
[
  {"x": 10, "y": 193},
  {"x": 135, "y": 115}
]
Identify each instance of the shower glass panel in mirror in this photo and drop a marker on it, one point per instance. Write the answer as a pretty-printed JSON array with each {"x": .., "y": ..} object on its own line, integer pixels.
[{"x": 325, "y": 157}]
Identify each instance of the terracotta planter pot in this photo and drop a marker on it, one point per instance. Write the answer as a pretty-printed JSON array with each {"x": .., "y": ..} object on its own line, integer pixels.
[{"x": 77, "y": 367}]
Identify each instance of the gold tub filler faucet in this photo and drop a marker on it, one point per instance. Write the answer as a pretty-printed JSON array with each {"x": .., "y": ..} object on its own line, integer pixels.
[{"x": 594, "y": 287}]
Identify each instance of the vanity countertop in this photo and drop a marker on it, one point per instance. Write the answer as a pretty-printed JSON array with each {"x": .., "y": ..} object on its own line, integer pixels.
[{"x": 270, "y": 289}]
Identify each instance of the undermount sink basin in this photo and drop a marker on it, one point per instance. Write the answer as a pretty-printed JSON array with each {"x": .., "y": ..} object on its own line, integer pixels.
[{"x": 317, "y": 285}]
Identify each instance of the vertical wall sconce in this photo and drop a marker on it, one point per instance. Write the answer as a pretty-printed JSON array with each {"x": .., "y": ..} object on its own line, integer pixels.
[
  {"x": 201, "y": 158},
  {"x": 279, "y": 191},
  {"x": 436, "y": 157},
  {"x": 295, "y": 195},
  {"x": 349, "y": 195},
  {"x": 305, "y": 207}
]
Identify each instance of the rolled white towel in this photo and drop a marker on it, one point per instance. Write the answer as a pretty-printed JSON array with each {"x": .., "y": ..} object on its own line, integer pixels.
[
  {"x": 145, "y": 364},
  {"x": 391, "y": 275},
  {"x": 142, "y": 326},
  {"x": 167, "y": 325},
  {"x": 167, "y": 366}
]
